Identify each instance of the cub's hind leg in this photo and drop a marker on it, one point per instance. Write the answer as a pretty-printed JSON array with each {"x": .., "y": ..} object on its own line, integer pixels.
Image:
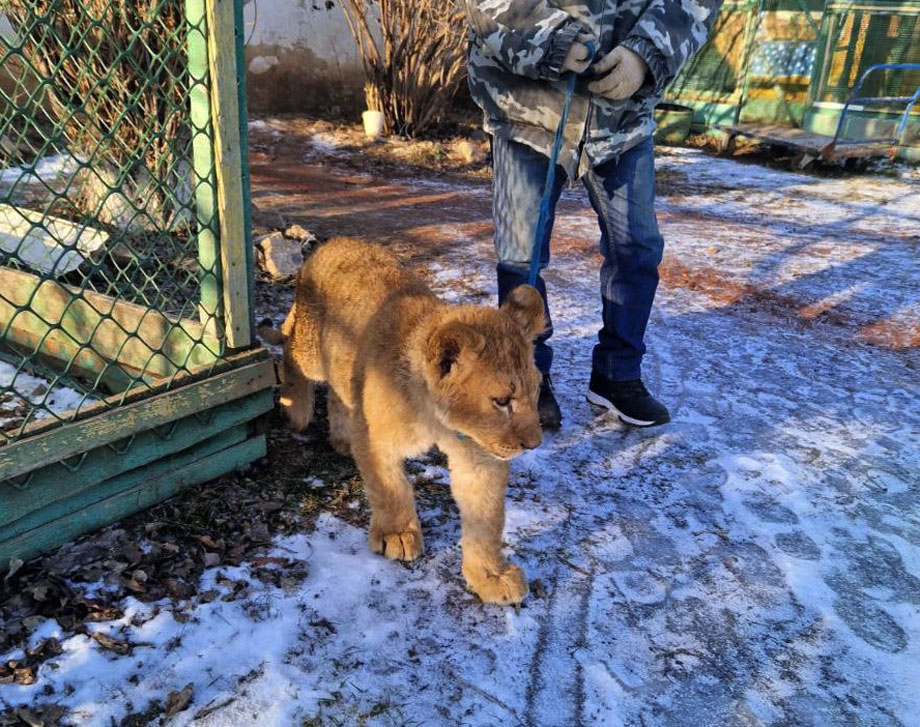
[
  {"x": 339, "y": 424},
  {"x": 297, "y": 394},
  {"x": 301, "y": 367},
  {"x": 395, "y": 530}
]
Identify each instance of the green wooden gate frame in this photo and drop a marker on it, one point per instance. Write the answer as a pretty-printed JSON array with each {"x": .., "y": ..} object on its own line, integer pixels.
[{"x": 205, "y": 390}]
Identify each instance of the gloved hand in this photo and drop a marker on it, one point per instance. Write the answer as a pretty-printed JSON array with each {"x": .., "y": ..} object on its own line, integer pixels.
[
  {"x": 579, "y": 56},
  {"x": 625, "y": 73}
]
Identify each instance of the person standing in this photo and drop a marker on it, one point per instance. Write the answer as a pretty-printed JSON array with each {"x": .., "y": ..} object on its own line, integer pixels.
[{"x": 519, "y": 53}]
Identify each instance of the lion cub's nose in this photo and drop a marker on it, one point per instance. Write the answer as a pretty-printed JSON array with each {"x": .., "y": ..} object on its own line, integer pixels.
[{"x": 532, "y": 440}]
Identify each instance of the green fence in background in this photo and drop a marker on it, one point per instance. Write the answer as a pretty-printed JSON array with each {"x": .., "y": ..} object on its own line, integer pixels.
[
  {"x": 126, "y": 362},
  {"x": 712, "y": 82},
  {"x": 793, "y": 63},
  {"x": 854, "y": 36}
]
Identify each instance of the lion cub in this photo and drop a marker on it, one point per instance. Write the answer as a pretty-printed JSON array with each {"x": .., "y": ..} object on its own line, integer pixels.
[{"x": 405, "y": 372}]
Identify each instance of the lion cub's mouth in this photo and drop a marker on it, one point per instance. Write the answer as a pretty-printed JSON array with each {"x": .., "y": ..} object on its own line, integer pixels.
[{"x": 505, "y": 453}]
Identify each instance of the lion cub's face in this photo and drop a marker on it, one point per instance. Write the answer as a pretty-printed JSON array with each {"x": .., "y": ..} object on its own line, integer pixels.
[{"x": 482, "y": 374}]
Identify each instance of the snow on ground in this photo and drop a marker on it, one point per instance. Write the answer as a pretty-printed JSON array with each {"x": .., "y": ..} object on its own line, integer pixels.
[
  {"x": 30, "y": 391},
  {"x": 50, "y": 169},
  {"x": 755, "y": 562}
]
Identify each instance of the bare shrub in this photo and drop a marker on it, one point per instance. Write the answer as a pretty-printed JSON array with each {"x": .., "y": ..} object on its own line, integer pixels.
[
  {"x": 413, "y": 56},
  {"x": 114, "y": 92}
]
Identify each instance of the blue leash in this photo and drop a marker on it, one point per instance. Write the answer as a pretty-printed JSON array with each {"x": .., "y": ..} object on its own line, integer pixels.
[{"x": 546, "y": 199}]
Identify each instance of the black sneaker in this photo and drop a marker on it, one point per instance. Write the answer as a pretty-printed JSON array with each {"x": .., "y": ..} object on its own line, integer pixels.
[
  {"x": 550, "y": 415},
  {"x": 629, "y": 400}
]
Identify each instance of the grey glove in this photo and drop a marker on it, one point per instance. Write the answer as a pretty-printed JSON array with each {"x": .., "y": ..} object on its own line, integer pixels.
[
  {"x": 622, "y": 72},
  {"x": 579, "y": 56}
]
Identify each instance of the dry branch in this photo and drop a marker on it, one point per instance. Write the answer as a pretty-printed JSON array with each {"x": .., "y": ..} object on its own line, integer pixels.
[{"x": 413, "y": 56}]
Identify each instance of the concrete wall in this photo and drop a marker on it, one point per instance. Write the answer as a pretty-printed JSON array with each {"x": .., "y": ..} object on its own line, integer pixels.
[{"x": 301, "y": 57}]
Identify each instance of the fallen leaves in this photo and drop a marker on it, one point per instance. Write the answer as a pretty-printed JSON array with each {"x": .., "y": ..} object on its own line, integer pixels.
[
  {"x": 158, "y": 555},
  {"x": 37, "y": 716},
  {"x": 23, "y": 671}
]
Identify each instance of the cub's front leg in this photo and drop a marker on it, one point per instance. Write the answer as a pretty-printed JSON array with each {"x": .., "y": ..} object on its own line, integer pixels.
[
  {"x": 478, "y": 482},
  {"x": 395, "y": 530}
]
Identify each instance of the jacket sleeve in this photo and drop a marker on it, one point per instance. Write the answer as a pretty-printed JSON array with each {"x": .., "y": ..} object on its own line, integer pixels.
[
  {"x": 528, "y": 37},
  {"x": 668, "y": 32}
]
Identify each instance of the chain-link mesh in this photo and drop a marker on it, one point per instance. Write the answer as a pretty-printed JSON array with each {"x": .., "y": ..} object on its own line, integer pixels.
[
  {"x": 856, "y": 37},
  {"x": 109, "y": 259},
  {"x": 717, "y": 70}
]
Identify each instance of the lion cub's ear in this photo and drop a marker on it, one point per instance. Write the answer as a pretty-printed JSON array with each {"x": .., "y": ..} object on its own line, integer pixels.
[
  {"x": 525, "y": 306},
  {"x": 451, "y": 343}
]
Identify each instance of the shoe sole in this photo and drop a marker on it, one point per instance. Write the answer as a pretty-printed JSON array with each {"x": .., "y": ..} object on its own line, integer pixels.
[{"x": 598, "y": 400}]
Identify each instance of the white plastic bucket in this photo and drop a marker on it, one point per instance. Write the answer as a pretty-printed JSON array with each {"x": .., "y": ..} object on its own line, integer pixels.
[{"x": 373, "y": 124}]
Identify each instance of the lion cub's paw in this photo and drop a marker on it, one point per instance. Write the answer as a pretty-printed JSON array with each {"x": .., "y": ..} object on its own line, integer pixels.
[
  {"x": 298, "y": 417},
  {"x": 505, "y": 588},
  {"x": 404, "y": 545}
]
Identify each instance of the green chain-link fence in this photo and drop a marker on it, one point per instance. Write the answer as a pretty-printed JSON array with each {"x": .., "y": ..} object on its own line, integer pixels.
[
  {"x": 712, "y": 82},
  {"x": 124, "y": 259},
  {"x": 855, "y": 36},
  {"x": 756, "y": 65}
]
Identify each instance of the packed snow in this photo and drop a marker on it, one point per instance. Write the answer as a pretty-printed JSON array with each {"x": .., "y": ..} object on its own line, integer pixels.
[
  {"x": 755, "y": 562},
  {"x": 47, "y": 169},
  {"x": 22, "y": 393}
]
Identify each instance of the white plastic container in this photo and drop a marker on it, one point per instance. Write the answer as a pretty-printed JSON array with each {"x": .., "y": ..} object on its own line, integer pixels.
[{"x": 373, "y": 124}]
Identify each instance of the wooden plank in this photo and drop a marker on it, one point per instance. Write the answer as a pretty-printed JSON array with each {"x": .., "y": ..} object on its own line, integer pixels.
[
  {"x": 138, "y": 490},
  {"x": 204, "y": 178},
  {"x": 225, "y": 115},
  {"x": 806, "y": 141},
  {"x": 96, "y": 331},
  {"x": 102, "y": 379},
  {"x": 73, "y": 502},
  {"x": 55, "y": 483},
  {"x": 59, "y": 444},
  {"x": 51, "y": 245},
  {"x": 143, "y": 390}
]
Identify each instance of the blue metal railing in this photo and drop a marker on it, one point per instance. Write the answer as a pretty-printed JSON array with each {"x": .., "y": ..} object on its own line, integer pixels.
[{"x": 854, "y": 99}]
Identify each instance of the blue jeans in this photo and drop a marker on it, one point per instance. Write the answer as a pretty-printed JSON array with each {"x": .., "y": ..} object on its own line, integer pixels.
[{"x": 622, "y": 193}]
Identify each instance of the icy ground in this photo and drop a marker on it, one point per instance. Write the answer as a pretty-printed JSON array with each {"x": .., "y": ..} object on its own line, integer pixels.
[{"x": 755, "y": 562}]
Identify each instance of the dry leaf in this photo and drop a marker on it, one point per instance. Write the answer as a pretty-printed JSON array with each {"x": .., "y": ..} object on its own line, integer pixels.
[
  {"x": 269, "y": 505},
  {"x": 256, "y": 562},
  {"x": 209, "y": 596},
  {"x": 29, "y": 717},
  {"x": 107, "y": 642},
  {"x": 208, "y": 542},
  {"x": 15, "y": 565},
  {"x": 39, "y": 591},
  {"x": 179, "y": 701},
  {"x": 258, "y": 533},
  {"x": 24, "y": 676},
  {"x": 177, "y": 588}
]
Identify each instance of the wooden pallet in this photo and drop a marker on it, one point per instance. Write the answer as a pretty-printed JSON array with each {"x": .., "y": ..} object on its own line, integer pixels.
[
  {"x": 80, "y": 476},
  {"x": 804, "y": 142}
]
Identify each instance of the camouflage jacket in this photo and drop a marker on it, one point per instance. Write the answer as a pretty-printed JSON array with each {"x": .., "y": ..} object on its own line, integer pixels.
[{"x": 517, "y": 49}]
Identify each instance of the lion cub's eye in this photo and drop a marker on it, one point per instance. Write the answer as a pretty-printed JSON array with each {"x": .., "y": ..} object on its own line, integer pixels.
[{"x": 502, "y": 402}]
